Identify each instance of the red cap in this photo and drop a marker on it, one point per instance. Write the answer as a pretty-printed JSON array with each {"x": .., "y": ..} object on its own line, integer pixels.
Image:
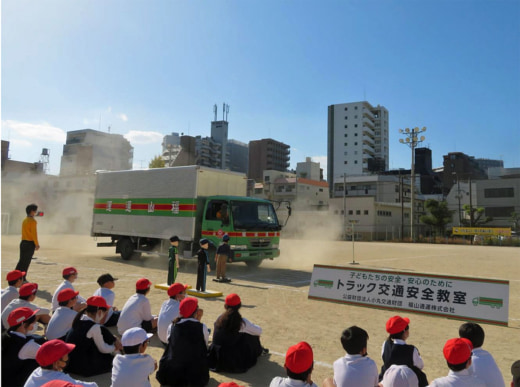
[
  {"x": 97, "y": 301},
  {"x": 142, "y": 284},
  {"x": 457, "y": 351},
  {"x": 299, "y": 358},
  {"x": 19, "y": 315},
  {"x": 69, "y": 270},
  {"x": 60, "y": 383},
  {"x": 229, "y": 384},
  {"x": 188, "y": 306},
  {"x": 396, "y": 324},
  {"x": 233, "y": 299},
  {"x": 51, "y": 351},
  {"x": 28, "y": 289},
  {"x": 176, "y": 288},
  {"x": 14, "y": 275},
  {"x": 66, "y": 295}
]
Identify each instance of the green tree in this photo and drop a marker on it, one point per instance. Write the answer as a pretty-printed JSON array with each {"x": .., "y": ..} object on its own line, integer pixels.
[
  {"x": 477, "y": 216},
  {"x": 439, "y": 215},
  {"x": 157, "y": 162},
  {"x": 515, "y": 218}
]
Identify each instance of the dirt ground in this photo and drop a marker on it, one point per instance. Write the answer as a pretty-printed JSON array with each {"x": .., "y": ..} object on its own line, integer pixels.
[{"x": 275, "y": 296}]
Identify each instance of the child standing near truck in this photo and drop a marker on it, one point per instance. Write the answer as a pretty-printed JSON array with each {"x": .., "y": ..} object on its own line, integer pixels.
[
  {"x": 223, "y": 254},
  {"x": 173, "y": 260},
  {"x": 203, "y": 265}
]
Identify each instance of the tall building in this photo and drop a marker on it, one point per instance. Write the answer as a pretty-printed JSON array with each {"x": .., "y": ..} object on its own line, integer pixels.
[
  {"x": 238, "y": 156},
  {"x": 309, "y": 170},
  {"x": 484, "y": 164},
  {"x": 357, "y": 140},
  {"x": 171, "y": 147},
  {"x": 88, "y": 150},
  {"x": 219, "y": 134},
  {"x": 267, "y": 154},
  {"x": 459, "y": 166}
]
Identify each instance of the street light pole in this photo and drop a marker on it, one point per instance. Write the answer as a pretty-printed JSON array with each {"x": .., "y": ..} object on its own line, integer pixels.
[{"x": 412, "y": 140}]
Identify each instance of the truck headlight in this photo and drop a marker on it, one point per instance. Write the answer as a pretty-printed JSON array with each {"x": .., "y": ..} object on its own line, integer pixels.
[{"x": 238, "y": 247}]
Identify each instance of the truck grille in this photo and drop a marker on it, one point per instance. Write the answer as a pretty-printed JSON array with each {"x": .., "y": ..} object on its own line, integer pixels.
[{"x": 260, "y": 242}]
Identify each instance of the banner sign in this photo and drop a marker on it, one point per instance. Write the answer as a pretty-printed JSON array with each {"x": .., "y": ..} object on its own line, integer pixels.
[
  {"x": 481, "y": 231},
  {"x": 463, "y": 298}
]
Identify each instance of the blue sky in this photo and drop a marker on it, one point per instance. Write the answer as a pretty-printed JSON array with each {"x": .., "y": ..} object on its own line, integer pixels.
[{"x": 149, "y": 68}]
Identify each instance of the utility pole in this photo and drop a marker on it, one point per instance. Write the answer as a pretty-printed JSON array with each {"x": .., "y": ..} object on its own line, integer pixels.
[{"x": 412, "y": 140}]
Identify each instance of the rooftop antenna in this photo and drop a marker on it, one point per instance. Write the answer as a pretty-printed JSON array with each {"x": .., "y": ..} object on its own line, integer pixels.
[
  {"x": 223, "y": 111},
  {"x": 227, "y": 112},
  {"x": 214, "y": 111}
]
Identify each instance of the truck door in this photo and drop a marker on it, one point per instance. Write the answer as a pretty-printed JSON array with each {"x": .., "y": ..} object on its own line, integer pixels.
[{"x": 217, "y": 219}]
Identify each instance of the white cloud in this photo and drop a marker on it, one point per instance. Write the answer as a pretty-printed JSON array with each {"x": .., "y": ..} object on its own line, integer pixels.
[
  {"x": 43, "y": 131},
  {"x": 123, "y": 117},
  {"x": 142, "y": 137}
]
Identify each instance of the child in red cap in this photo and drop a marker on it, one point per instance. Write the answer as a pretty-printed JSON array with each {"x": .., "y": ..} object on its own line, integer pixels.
[
  {"x": 27, "y": 294},
  {"x": 236, "y": 341},
  {"x": 53, "y": 357},
  {"x": 299, "y": 363},
  {"x": 137, "y": 311},
  {"x": 170, "y": 310},
  {"x": 69, "y": 274},
  {"x": 396, "y": 351},
  {"x": 14, "y": 280},
  {"x": 94, "y": 343},
  {"x": 19, "y": 348},
  {"x": 185, "y": 362},
  {"x": 62, "y": 318},
  {"x": 457, "y": 353}
]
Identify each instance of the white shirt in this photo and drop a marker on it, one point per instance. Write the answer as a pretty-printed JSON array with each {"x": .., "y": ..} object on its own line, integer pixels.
[
  {"x": 355, "y": 370},
  {"x": 205, "y": 330},
  {"x": 9, "y": 294},
  {"x": 40, "y": 376},
  {"x": 28, "y": 351},
  {"x": 19, "y": 303},
  {"x": 132, "y": 370},
  {"x": 462, "y": 378},
  {"x": 417, "y": 359},
  {"x": 136, "y": 310},
  {"x": 95, "y": 333},
  {"x": 60, "y": 323},
  {"x": 484, "y": 367},
  {"x": 109, "y": 297},
  {"x": 250, "y": 328},
  {"x": 288, "y": 382},
  {"x": 64, "y": 285},
  {"x": 169, "y": 312}
]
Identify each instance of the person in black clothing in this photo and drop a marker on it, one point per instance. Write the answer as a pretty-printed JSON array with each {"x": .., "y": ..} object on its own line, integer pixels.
[
  {"x": 236, "y": 341},
  {"x": 18, "y": 348},
  {"x": 396, "y": 351},
  {"x": 184, "y": 362},
  {"x": 89, "y": 358},
  {"x": 223, "y": 254},
  {"x": 203, "y": 265}
]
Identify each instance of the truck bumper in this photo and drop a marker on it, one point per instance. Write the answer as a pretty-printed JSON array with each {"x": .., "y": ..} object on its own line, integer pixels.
[{"x": 248, "y": 255}]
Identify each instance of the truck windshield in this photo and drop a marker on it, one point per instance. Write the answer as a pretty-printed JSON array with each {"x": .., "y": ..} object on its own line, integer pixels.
[{"x": 254, "y": 216}]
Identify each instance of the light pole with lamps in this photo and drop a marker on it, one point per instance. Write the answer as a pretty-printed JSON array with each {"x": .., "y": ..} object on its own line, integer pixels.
[{"x": 412, "y": 140}]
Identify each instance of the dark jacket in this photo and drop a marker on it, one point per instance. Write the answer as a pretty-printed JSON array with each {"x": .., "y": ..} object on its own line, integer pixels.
[
  {"x": 14, "y": 370},
  {"x": 401, "y": 355}
]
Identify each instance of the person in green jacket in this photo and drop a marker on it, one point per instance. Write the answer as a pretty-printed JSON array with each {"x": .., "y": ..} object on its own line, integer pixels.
[{"x": 173, "y": 259}]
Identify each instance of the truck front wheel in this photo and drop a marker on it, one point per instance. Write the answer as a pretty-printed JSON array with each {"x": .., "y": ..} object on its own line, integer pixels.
[
  {"x": 254, "y": 263},
  {"x": 125, "y": 248}
]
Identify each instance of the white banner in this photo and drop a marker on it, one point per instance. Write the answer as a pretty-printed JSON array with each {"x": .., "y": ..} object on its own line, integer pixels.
[{"x": 470, "y": 299}]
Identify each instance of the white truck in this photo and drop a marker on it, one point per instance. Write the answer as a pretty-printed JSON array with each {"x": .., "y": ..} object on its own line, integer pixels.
[{"x": 139, "y": 210}]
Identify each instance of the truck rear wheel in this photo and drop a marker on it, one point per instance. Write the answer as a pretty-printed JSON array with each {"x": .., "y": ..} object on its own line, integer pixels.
[
  {"x": 254, "y": 263},
  {"x": 126, "y": 248}
]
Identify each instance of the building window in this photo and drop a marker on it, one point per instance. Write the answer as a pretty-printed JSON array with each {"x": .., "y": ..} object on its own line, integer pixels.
[
  {"x": 355, "y": 143},
  {"x": 346, "y": 117},
  {"x": 355, "y": 125},
  {"x": 355, "y": 117},
  {"x": 355, "y": 107},
  {"x": 499, "y": 212},
  {"x": 365, "y": 212},
  {"x": 499, "y": 193},
  {"x": 346, "y": 135},
  {"x": 345, "y": 153},
  {"x": 346, "y": 126},
  {"x": 350, "y": 212},
  {"x": 384, "y": 213},
  {"x": 355, "y": 134},
  {"x": 355, "y": 161},
  {"x": 355, "y": 152},
  {"x": 345, "y": 162},
  {"x": 346, "y": 108},
  {"x": 358, "y": 212},
  {"x": 320, "y": 189},
  {"x": 346, "y": 144}
]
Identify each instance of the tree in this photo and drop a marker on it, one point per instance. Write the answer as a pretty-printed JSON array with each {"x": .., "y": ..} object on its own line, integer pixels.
[
  {"x": 157, "y": 162},
  {"x": 439, "y": 215},
  {"x": 474, "y": 216},
  {"x": 515, "y": 218}
]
